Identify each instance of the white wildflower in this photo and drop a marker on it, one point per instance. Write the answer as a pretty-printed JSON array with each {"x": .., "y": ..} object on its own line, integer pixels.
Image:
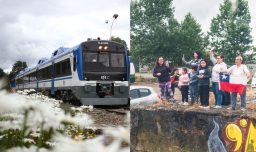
[
  {"x": 29, "y": 140},
  {"x": 30, "y": 149},
  {"x": 51, "y": 143},
  {"x": 81, "y": 119}
]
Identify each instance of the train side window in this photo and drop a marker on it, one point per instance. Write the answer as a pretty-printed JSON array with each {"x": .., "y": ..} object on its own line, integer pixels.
[
  {"x": 74, "y": 63},
  {"x": 63, "y": 68},
  {"x": 66, "y": 68},
  {"x": 19, "y": 81}
]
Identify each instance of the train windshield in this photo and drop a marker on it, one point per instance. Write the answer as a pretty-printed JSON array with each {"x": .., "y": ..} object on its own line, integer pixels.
[{"x": 104, "y": 60}]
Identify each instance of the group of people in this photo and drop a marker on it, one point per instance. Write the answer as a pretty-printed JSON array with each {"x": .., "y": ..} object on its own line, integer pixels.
[{"x": 197, "y": 80}]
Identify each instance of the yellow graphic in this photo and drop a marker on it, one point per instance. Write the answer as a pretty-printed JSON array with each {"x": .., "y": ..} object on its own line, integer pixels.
[
  {"x": 243, "y": 123},
  {"x": 241, "y": 135},
  {"x": 251, "y": 138},
  {"x": 234, "y": 133}
]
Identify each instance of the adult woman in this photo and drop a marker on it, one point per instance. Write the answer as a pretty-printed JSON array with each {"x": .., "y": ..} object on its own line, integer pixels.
[
  {"x": 219, "y": 67},
  {"x": 195, "y": 62},
  {"x": 162, "y": 72},
  {"x": 241, "y": 72}
]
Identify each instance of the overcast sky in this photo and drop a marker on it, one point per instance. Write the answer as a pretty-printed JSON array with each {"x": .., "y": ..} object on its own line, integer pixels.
[
  {"x": 205, "y": 10},
  {"x": 32, "y": 29}
]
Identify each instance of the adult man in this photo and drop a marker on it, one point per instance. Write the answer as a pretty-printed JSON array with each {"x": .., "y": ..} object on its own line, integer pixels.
[
  {"x": 240, "y": 71},
  {"x": 219, "y": 66}
]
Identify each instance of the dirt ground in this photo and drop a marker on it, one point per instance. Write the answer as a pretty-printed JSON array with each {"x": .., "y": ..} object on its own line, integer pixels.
[{"x": 250, "y": 95}]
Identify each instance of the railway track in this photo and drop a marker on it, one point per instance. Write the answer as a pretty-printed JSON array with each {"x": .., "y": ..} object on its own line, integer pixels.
[{"x": 115, "y": 109}]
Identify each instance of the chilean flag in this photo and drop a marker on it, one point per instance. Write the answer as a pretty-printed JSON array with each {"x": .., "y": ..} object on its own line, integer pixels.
[{"x": 231, "y": 83}]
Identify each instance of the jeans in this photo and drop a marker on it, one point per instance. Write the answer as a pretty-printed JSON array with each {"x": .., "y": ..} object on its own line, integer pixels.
[
  {"x": 217, "y": 93},
  {"x": 166, "y": 90},
  {"x": 204, "y": 95},
  {"x": 184, "y": 93},
  {"x": 242, "y": 97},
  {"x": 193, "y": 92}
]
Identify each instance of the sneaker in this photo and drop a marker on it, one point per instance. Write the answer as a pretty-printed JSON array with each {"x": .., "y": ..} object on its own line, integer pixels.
[
  {"x": 172, "y": 99},
  {"x": 231, "y": 108},
  {"x": 243, "y": 109},
  {"x": 185, "y": 104},
  {"x": 217, "y": 107},
  {"x": 201, "y": 106},
  {"x": 207, "y": 107}
]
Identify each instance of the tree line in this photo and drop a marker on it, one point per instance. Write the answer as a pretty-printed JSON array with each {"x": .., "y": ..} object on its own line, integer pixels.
[{"x": 156, "y": 32}]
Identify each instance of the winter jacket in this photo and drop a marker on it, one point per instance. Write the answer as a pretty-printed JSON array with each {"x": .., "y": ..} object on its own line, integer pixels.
[
  {"x": 207, "y": 75},
  {"x": 165, "y": 73},
  {"x": 183, "y": 80}
]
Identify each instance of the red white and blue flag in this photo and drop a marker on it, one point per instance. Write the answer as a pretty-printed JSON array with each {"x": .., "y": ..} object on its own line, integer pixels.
[{"x": 231, "y": 83}]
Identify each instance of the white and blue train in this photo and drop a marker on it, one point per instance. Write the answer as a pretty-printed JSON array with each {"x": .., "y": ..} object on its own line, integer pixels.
[{"x": 95, "y": 72}]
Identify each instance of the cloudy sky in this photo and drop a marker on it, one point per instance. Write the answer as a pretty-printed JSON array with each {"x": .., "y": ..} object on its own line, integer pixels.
[
  {"x": 32, "y": 29},
  {"x": 205, "y": 10}
]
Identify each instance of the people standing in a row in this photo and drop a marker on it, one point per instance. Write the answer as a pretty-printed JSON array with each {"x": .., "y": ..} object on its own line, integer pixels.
[
  {"x": 195, "y": 62},
  {"x": 162, "y": 72},
  {"x": 219, "y": 67}
]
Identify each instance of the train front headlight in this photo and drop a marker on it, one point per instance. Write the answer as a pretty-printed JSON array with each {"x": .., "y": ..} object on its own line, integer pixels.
[{"x": 100, "y": 47}]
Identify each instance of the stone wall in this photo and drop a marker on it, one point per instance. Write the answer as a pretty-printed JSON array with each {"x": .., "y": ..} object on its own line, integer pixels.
[{"x": 177, "y": 129}]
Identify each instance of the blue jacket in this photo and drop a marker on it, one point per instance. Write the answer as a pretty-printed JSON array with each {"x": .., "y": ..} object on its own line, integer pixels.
[{"x": 193, "y": 79}]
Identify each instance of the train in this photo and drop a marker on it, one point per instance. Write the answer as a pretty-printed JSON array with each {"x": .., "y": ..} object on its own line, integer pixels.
[{"x": 95, "y": 72}]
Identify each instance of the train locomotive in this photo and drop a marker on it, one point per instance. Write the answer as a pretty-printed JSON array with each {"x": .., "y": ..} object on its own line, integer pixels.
[{"x": 95, "y": 72}]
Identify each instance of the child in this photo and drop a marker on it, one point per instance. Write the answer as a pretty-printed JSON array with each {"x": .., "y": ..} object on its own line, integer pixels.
[
  {"x": 175, "y": 79},
  {"x": 204, "y": 75},
  {"x": 193, "y": 84},
  {"x": 183, "y": 84}
]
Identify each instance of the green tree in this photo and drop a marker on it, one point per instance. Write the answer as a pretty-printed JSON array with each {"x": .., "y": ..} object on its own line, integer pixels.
[
  {"x": 119, "y": 40},
  {"x": 2, "y": 73},
  {"x": 230, "y": 31},
  {"x": 16, "y": 68},
  {"x": 152, "y": 21},
  {"x": 155, "y": 32},
  {"x": 191, "y": 38}
]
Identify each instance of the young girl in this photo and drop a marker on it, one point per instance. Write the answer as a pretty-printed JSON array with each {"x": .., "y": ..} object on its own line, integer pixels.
[
  {"x": 183, "y": 84},
  {"x": 204, "y": 75},
  {"x": 175, "y": 79}
]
